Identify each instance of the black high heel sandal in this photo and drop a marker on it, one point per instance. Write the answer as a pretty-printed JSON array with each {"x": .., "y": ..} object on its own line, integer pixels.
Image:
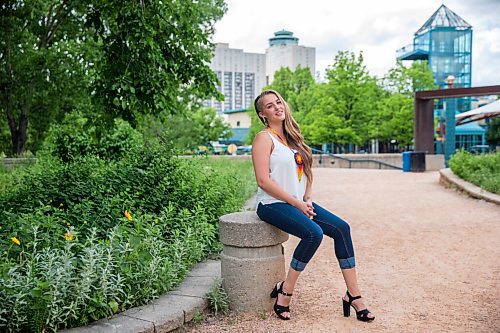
[
  {"x": 361, "y": 315},
  {"x": 279, "y": 309}
]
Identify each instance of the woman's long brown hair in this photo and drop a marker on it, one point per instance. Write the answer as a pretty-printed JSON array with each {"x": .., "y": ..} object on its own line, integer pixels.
[{"x": 291, "y": 131}]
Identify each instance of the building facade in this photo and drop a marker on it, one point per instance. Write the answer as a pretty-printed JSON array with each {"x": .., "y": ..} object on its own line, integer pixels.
[
  {"x": 241, "y": 77},
  {"x": 284, "y": 51},
  {"x": 240, "y": 122}
]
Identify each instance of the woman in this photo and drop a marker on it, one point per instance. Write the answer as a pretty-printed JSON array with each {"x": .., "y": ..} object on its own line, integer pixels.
[{"x": 282, "y": 164}]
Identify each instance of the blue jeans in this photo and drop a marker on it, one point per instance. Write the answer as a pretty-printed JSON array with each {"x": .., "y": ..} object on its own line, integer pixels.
[{"x": 291, "y": 220}]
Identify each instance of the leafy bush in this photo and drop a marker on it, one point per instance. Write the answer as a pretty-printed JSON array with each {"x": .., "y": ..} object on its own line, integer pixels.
[
  {"x": 481, "y": 170},
  {"x": 79, "y": 136},
  {"x": 85, "y": 239},
  {"x": 72, "y": 282}
]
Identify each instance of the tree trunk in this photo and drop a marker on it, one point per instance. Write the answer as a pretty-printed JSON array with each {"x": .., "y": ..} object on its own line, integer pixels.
[{"x": 18, "y": 133}]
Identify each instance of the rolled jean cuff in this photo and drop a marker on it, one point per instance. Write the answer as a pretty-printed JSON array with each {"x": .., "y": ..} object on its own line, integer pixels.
[
  {"x": 347, "y": 263},
  {"x": 299, "y": 266}
]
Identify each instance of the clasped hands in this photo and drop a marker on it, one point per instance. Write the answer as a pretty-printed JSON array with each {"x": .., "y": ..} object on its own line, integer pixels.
[{"x": 307, "y": 208}]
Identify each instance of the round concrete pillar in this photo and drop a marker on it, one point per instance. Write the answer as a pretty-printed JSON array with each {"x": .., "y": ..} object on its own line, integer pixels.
[{"x": 252, "y": 260}]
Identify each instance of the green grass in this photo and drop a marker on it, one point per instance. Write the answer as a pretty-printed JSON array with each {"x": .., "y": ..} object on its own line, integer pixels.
[
  {"x": 481, "y": 170},
  {"x": 241, "y": 168}
]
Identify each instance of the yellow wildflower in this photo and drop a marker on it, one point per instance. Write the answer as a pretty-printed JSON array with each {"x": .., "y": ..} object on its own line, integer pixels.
[
  {"x": 15, "y": 240},
  {"x": 69, "y": 236},
  {"x": 128, "y": 215}
]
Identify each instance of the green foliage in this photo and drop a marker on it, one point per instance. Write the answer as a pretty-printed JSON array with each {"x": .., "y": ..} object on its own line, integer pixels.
[
  {"x": 352, "y": 107},
  {"x": 407, "y": 80},
  {"x": 73, "y": 282},
  {"x": 493, "y": 132},
  {"x": 394, "y": 116},
  {"x": 394, "y": 119},
  {"x": 340, "y": 109},
  {"x": 255, "y": 125},
  {"x": 291, "y": 84},
  {"x": 198, "y": 317},
  {"x": 218, "y": 299},
  {"x": 481, "y": 170},
  {"x": 353, "y": 92},
  {"x": 186, "y": 131},
  {"x": 156, "y": 54},
  {"x": 121, "y": 58},
  {"x": 79, "y": 136},
  {"x": 5, "y": 139},
  {"x": 81, "y": 258},
  {"x": 46, "y": 65}
]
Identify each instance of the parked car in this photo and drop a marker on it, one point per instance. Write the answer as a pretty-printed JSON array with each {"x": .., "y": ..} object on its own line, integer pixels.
[
  {"x": 479, "y": 149},
  {"x": 244, "y": 150},
  {"x": 218, "y": 148}
]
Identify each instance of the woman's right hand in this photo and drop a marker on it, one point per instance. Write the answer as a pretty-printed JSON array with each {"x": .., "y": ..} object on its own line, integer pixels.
[{"x": 305, "y": 208}]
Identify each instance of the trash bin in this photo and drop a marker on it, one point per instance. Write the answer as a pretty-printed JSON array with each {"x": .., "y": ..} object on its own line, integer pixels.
[
  {"x": 413, "y": 161},
  {"x": 406, "y": 161},
  {"x": 417, "y": 161}
]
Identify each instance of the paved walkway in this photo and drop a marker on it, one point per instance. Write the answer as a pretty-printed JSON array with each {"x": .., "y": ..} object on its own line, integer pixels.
[{"x": 428, "y": 259}]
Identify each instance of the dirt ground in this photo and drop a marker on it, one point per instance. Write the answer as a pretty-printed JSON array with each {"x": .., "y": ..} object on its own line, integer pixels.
[{"x": 428, "y": 260}]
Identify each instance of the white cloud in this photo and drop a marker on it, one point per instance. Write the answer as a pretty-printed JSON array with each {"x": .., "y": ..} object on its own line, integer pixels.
[{"x": 378, "y": 28}]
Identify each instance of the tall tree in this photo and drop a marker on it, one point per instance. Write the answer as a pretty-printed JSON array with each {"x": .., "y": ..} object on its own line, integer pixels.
[
  {"x": 394, "y": 119},
  {"x": 125, "y": 57},
  {"x": 353, "y": 95},
  {"x": 291, "y": 84},
  {"x": 156, "y": 54},
  {"x": 44, "y": 66},
  {"x": 407, "y": 80}
]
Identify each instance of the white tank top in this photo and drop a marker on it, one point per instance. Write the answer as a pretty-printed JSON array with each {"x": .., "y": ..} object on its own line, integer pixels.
[{"x": 283, "y": 171}]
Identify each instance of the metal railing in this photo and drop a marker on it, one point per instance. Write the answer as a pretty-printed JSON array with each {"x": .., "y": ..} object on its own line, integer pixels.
[
  {"x": 354, "y": 160},
  {"x": 412, "y": 47}
]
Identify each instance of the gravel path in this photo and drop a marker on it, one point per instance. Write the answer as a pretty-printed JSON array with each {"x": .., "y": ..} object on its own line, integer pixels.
[{"x": 428, "y": 260}]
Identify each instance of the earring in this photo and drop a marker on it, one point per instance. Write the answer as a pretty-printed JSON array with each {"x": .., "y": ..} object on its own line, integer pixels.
[{"x": 265, "y": 121}]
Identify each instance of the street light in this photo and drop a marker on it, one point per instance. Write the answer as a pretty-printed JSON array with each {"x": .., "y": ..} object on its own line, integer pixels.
[
  {"x": 449, "y": 81},
  {"x": 449, "y": 142}
]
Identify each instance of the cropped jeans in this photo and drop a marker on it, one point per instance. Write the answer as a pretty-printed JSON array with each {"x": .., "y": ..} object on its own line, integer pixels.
[{"x": 291, "y": 220}]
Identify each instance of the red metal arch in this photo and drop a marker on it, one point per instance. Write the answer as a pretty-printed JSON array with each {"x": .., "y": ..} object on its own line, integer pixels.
[{"x": 424, "y": 111}]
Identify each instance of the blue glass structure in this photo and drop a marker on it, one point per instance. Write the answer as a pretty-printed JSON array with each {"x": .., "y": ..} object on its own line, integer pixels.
[{"x": 445, "y": 41}]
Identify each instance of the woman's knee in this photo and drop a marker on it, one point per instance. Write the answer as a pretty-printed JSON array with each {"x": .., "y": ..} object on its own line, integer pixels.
[
  {"x": 316, "y": 235},
  {"x": 345, "y": 227}
]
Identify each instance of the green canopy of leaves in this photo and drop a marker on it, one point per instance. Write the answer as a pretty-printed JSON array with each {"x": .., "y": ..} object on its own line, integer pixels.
[
  {"x": 351, "y": 106},
  {"x": 117, "y": 58}
]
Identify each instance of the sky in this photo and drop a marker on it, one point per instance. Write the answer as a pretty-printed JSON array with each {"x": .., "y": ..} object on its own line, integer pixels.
[{"x": 376, "y": 27}]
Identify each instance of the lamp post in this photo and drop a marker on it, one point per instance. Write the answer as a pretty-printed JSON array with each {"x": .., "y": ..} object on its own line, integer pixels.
[{"x": 450, "y": 107}]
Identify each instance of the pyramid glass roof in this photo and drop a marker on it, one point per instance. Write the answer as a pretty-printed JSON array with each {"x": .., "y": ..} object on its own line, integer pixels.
[{"x": 443, "y": 17}]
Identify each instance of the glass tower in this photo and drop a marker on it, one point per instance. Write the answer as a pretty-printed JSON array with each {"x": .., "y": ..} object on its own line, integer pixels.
[{"x": 445, "y": 41}]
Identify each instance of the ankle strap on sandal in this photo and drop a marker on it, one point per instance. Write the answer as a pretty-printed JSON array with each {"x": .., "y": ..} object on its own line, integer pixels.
[
  {"x": 280, "y": 290},
  {"x": 350, "y": 297}
]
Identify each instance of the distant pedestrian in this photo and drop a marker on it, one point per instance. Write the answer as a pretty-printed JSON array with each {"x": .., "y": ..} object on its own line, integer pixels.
[{"x": 283, "y": 170}]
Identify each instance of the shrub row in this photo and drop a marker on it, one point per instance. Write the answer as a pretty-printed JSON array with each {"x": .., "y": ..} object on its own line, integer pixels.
[{"x": 481, "y": 170}]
